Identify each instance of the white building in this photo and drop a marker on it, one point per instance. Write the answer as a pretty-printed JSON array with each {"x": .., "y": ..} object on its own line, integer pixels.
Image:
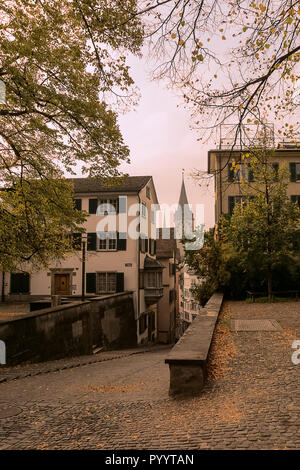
[{"x": 119, "y": 251}]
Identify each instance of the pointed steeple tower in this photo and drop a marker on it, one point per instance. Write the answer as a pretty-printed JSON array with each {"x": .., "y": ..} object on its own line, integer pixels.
[
  {"x": 183, "y": 197},
  {"x": 183, "y": 216}
]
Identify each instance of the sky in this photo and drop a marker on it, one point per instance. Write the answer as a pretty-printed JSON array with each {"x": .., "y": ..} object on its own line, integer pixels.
[{"x": 162, "y": 144}]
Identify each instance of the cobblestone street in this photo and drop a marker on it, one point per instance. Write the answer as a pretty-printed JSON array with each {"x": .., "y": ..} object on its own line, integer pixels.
[{"x": 250, "y": 401}]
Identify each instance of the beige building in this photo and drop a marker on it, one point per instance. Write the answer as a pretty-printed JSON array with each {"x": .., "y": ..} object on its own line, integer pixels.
[
  {"x": 120, "y": 252},
  {"x": 227, "y": 184},
  {"x": 189, "y": 307},
  {"x": 168, "y": 254}
]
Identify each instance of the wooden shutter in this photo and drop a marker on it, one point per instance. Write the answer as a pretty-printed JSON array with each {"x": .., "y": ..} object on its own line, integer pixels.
[
  {"x": 76, "y": 242},
  {"x": 19, "y": 283},
  {"x": 91, "y": 241},
  {"x": 91, "y": 283},
  {"x": 293, "y": 172},
  {"x": 294, "y": 199},
  {"x": 230, "y": 172},
  {"x": 231, "y": 204},
  {"x": 146, "y": 245},
  {"x": 77, "y": 204},
  {"x": 250, "y": 174},
  {"x": 120, "y": 282},
  {"x": 276, "y": 168},
  {"x": 93, "y": 203},
  {"x": 122, "y": 204},
  {"x": 121, "y": 241}
]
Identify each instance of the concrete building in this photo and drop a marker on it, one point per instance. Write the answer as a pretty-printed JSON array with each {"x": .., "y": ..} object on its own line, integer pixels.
[
  {"x": 227, "y": 184},
  {"x": 117, "y": 253}
]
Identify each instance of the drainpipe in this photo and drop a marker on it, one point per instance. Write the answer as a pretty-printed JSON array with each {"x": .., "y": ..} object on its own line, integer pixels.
[{"x": 139, "y": 260}]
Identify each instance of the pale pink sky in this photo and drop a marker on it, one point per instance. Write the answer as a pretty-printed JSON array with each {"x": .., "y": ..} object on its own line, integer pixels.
[{"x": 161, "y": 143}]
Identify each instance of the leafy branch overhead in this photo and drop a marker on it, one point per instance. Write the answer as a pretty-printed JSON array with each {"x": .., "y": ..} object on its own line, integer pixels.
[
  {"x": 235, "y": 62},
  {"x": 64, "y": 66}
]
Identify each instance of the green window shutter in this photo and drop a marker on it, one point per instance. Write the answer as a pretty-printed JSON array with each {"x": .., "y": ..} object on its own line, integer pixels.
[
  {"x": 91, "y": 283},
  {"x": 293, "y": 172},
  {"x": 230, "y": 172},
  {"x": 122, "y": 204},
  {"x": 231, "y": 204},
  {"x": 276, "y": 168},
  {"x": 250, "y": 174},
  {"x": 77, "y": 204},
  {"x": 121, "y": 241},
  {"x": 294, "y": 199},
  {"x": 120, "y": 282},
  {"x": 93, "y": 203},
  {"x": 76, "y": 241},
  {"x": 19, "y": 283},
  {"x": 91, "y": 241}
]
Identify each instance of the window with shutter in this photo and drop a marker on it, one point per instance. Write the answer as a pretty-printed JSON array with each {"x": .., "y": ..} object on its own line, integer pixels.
[
  {"x": 19, "y": 283},
  {"x": 294, "y": 172},
  {"x": 77, "y": 204},
  {"x": 122, "y": 241},
  {"x": 296, "y": 199},
  {"x": 76, "y": 242},
  {"x": 91, "y": 241},
  {"x": 93, "y": 203},
  {"x": 91, "y": 283},
  {"x": 230, "y": 172}
]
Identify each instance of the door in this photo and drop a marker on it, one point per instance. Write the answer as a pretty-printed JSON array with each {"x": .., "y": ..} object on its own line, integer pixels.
[{"x": 61, "y": 284}]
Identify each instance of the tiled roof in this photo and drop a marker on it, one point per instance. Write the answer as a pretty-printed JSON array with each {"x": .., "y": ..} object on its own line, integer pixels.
[
  {"x": 92, "y": 185},
  {"x": 152, "y": 263}
]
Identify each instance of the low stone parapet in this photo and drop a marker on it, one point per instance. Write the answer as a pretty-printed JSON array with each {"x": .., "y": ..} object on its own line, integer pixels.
[{"x": 188, "y": 358}]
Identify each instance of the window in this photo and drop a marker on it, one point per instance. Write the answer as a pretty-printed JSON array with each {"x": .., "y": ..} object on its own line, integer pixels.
[
  {"x": 107, "y": 206},
  {"x": 153, "y": 279},
  {"x": 295, "y": 172},
  {"x": 143, "y": 210},
  {"x": 77, "y": 204},
  {"x": 239, "y": 171},
  {"x": 144, "y": 243},
  {"x": 107, "y": 241},
  {"x": 233, "y": 200},
  {"x": 19, "y": 283},
  {"x": 106, "y": 282},
  {"x": 296, "y": 199},
  {"x": 93, "y": 203},
  {"x": 148, "y": 193}
]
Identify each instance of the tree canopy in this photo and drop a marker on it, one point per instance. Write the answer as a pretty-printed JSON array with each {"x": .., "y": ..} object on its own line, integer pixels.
[
  {"x": 236, "y": 62},
  {"x": 257, "y": 247},
  {"x": 64, "y": 67}
]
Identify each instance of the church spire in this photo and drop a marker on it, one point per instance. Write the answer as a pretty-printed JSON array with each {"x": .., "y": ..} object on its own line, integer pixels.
[{"x": 183, "y": 197}]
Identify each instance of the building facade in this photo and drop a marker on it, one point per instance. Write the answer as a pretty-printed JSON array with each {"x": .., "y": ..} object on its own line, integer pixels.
[
  {"x": 117, "y": 253},
  {"x": 227, "y": 185}
]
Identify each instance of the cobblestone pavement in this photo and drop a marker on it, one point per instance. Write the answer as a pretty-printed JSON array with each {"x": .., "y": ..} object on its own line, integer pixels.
[{"x": 251, "y": 399}]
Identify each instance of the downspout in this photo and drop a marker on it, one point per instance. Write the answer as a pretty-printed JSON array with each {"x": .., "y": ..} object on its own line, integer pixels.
[{"x": 139, "y": 260}]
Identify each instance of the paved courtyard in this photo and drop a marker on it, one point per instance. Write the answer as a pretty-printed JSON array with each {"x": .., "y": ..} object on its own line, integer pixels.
[{"x": 251, "y": 399}]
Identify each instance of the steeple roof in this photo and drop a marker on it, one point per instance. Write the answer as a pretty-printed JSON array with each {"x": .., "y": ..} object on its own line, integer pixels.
[{"x": 183, "y": 197}]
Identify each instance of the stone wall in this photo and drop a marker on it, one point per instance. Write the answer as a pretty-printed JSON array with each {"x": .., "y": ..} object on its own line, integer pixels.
[
  {"x": 188, "y": 358},
  {"x": 70, "y": 330}
]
